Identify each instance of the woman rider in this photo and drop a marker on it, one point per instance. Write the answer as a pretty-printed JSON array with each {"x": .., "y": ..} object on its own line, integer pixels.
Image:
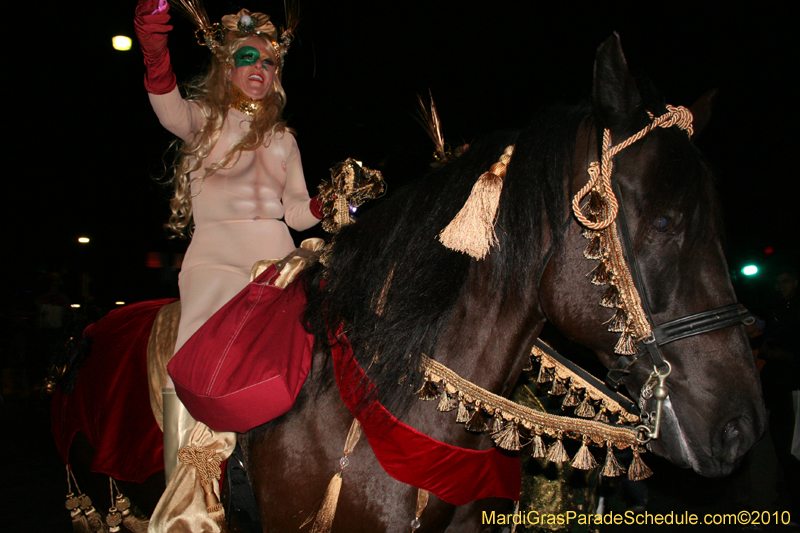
[{"x": 238, "y": 170}]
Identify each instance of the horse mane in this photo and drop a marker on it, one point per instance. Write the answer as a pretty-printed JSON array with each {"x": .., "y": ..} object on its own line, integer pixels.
[{"x": 393, "y": 284}]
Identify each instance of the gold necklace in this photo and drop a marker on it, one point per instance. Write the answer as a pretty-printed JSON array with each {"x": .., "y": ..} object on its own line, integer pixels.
[{"x": 242, "y": 102}]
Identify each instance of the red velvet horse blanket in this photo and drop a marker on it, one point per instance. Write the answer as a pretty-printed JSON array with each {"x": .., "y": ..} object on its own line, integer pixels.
[{"x": 110, "y": 402}]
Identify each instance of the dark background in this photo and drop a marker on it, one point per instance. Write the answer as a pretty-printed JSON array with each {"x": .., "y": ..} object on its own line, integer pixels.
[{"x": 88, "y": 147}]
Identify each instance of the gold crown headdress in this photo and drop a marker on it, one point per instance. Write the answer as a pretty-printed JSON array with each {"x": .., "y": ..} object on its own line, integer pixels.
[{"x": 244, "y": 22}]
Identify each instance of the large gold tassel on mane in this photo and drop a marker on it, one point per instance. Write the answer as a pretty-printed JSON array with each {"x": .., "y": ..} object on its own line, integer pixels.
[{"x": 472, "y": 229}]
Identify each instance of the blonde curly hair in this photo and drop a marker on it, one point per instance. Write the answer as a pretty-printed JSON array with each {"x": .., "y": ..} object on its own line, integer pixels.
[{"x": 212, "y": 92}]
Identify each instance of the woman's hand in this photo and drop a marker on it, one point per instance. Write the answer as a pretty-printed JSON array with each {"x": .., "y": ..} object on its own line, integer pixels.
[{"x": 151, "y": 25}]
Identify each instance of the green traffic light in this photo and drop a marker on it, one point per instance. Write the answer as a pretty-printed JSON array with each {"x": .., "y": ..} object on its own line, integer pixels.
[{"x": 750, "y": 270}]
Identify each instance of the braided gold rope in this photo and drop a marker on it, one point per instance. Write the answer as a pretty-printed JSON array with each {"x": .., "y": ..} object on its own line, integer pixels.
[
  {"x": 539, "y": 422},
  {"x": 636, "y": 326},
  {"x": 675, "y": 116},
  {"x": 204, "y": 460}
]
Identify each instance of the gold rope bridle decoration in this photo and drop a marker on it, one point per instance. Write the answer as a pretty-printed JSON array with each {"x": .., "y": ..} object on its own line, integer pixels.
[{"x": 602, "y": 208}]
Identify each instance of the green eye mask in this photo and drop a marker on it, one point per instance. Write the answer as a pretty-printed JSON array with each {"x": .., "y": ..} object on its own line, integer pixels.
[{"x": 246, "y": 56}]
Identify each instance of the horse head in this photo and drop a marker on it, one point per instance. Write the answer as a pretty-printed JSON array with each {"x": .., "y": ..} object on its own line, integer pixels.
[{"x": 668, "y": 228}]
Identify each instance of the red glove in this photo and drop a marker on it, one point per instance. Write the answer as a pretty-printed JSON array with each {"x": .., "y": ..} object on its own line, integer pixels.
[
  {"x": 316, "y": 207},
  {"x": 150, "y": 22}
]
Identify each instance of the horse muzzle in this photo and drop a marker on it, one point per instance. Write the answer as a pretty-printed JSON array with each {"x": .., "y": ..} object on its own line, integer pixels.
[{"x": 717, "y": 457}]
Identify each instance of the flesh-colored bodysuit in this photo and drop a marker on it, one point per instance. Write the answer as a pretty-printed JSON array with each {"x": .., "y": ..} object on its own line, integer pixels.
[{"x": 236, "y": 211}]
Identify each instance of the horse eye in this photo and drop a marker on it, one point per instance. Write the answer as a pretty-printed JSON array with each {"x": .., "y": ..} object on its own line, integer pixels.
[{"x": 661, "y": 223}]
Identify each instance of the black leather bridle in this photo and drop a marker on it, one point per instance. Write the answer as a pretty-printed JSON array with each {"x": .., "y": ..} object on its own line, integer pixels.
[{"x": 674, "y": 330}]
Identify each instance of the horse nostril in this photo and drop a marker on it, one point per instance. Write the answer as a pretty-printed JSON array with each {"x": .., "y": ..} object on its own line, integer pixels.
[{"x": 731, "y": 432}]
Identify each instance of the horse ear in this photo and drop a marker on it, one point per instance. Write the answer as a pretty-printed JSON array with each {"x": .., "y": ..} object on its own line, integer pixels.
[
  {"x": 614, "y": 94},
  {"x": 701, "y": 110}
]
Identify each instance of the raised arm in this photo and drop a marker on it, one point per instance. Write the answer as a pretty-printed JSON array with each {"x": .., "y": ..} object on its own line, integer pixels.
[
  {"x": 177, "y": 115},
  {"x": 301, "y": 212}
]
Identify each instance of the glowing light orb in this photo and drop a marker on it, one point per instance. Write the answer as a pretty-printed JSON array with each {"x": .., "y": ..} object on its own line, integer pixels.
[
  {"x": 121, "y": 43},
  {"x": 83, "y": 240},
  {"x": 750, "y": 270}
]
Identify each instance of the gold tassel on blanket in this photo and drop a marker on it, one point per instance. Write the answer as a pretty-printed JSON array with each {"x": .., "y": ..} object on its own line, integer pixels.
[
  {"x": 472, "y": 229},
  {"x": 323, "y": 522},
  {"x": 121, "y": 509},
  {"x": 73, "y": 504}
]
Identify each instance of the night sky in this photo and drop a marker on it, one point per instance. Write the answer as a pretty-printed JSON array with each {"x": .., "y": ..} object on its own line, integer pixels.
[{"x": 92, "y": 148}]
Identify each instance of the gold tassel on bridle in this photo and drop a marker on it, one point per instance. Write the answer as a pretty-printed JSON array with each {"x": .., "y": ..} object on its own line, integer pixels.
[
  {"x": 596, "y": 207},
  {"x": 323, "y": 522},
  {"x": 472, "y": 229}
]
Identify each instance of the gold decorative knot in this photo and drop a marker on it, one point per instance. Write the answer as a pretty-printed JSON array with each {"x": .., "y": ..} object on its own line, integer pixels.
[
  {"x": 677, "y": 116},
  {"x": 600, "y": 173},
  {"x": 499, "y": 168},
  {"x": 204, "y": 459}
]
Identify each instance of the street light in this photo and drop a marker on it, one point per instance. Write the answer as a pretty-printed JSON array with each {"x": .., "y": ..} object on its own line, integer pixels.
[
  {"x": 121, "y": 43},
  {"x": 750, "y": 270}
]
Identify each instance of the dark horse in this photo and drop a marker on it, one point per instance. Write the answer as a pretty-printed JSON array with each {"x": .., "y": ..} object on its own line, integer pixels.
[
  {"x": 401, "y": 294},
  {"x": 481, "y": 318}
]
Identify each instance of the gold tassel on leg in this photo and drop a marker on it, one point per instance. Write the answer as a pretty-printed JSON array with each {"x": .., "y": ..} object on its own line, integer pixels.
[
  {"x": 323, "y": 522},
  {"x": 472, "y": 229},
  {"x": 602, "y": 415}
]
